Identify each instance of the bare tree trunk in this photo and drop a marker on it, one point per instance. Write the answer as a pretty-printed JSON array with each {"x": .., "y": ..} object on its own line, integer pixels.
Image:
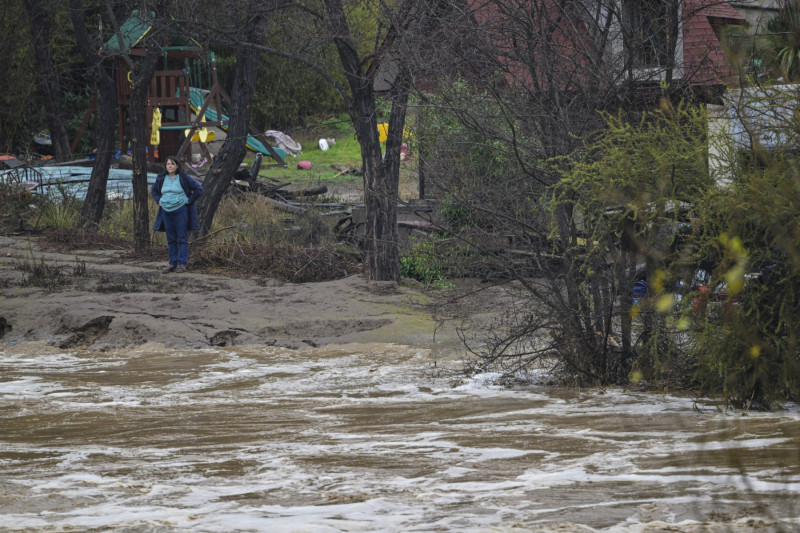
[
  {"x": 234, "y": 149},
  {"x": 381, "y": 252},
  {"x": 142, "y": 73},
  {"x": 95, "y": 201},
  {"x": 383, "y": 257},
  {"x": 101, "y": 71},
  {"x": 49, "y": 87}
]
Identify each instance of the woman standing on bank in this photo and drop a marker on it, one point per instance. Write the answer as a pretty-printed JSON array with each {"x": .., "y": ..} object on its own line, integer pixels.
[{"x": 176, "y": 193}]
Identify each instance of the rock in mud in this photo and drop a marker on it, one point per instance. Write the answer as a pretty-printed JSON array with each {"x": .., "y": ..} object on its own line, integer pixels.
[{"x": 88, "y": 333}]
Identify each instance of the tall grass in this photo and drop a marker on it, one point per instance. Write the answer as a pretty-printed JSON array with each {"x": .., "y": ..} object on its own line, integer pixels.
[
  {"x": 249, "y": 217},
  {"x": 57, "y": 215},
  {"x": 16, "y": 204},
  {"x": 249, "y": 237},
  {"x": 117, "y": 221}
]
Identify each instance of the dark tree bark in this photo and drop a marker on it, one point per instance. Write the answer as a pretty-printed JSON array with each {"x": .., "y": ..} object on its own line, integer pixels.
[
  {"x": 382, "y": 257},
  {"x": 381, "y": 175},
  {"x": 234, "y": 148},
  {"x": 47, "y": 78},
  {"x": 101, "y": 71},
  {"x": 143, "y": 71}
]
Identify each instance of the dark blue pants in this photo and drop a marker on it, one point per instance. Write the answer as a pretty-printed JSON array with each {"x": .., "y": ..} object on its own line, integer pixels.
[{"x": 175, "y": 224}]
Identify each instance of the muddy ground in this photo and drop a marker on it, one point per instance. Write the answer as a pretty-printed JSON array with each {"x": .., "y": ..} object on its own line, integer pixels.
[{"x": 98, "y": 299}]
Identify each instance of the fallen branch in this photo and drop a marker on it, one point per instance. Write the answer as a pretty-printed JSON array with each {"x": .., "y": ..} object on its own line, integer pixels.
[
  {"x": 312, "y": 191},
  {"x": 312, "y": 204},
  {"x": 273, "y": 188},
  {"x": 283, "y": 206},
  {"x": 210, "y": 234}
]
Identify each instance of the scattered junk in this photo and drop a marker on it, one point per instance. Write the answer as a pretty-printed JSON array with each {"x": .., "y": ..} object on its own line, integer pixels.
[
  {"x": 72, "y": 179},
  {"x": 304, "y": 165},
  {"x": 275, "y": 191},
  {"x": 8, "y": 162},
  {"x": 405, "y": 153},
  {"x": 413, "y": 222},
  {"x": 198, "y": 161},
  {"x": 19, "y": 174},
  {"x": 325, "y": 144},
  {"x": 43, "y": 142},
  {"x": 282, "y": 140}
]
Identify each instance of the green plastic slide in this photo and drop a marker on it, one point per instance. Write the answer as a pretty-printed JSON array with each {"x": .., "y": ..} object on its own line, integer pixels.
[{"x": 196, "y": 99}]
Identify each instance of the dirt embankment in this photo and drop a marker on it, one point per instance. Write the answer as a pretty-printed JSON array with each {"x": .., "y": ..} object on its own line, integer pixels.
[{"x": 90, "y": 298}]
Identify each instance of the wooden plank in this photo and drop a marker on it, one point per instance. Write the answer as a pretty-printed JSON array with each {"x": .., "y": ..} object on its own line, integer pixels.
[{"x": 283, "y": 206}]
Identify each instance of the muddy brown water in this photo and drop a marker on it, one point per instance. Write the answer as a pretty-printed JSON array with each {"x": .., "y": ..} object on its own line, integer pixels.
[{"x": 368, "y": 438}]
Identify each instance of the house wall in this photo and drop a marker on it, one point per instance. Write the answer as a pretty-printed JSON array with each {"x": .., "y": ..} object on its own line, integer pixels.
[
  {"x": 756, "y": 116},
  {"x": 757, "y": 12},
  {"x": 699, "y": 56},
  {"x": 720, "y": 159}
]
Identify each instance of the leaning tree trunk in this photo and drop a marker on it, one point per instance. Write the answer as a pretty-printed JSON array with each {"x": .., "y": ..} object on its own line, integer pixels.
[
  {"x": 142, "y": 73},
  {"x": 101, "y": 71},
  {"x": 234, "y": 148},
  {"x": 47, "y": 78},
  {"x": 95, "y": 201}
]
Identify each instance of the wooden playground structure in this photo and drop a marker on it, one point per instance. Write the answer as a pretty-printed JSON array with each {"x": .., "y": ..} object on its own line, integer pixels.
[{"x": 183, "y": 101}]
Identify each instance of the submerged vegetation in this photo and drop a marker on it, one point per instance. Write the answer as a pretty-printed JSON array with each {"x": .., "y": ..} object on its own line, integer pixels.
[{"x": 669, "y": 271}]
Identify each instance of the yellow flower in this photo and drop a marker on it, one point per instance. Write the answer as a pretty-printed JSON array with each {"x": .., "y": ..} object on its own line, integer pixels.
[{"x": 665, "y": 303}]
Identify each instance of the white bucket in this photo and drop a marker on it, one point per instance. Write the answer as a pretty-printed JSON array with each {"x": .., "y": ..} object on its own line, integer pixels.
[{"x": 323, "y": 144}]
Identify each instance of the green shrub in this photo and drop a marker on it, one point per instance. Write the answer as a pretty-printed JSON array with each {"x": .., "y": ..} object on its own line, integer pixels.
[
  {"x": 455, "y": 214},
  {"x": 422, "y": 263},
  {"x": 749, "y": 349}
]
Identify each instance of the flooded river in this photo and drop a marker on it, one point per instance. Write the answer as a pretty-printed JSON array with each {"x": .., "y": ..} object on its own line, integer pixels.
[{"x": 368, "y": 438}]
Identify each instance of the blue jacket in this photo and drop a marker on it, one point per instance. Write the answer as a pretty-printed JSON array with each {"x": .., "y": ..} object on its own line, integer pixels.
[{"x": 193, "y": 190}]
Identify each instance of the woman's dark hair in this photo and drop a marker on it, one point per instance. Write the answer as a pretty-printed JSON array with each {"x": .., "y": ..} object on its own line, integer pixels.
[{"x": 174, "y": 160}]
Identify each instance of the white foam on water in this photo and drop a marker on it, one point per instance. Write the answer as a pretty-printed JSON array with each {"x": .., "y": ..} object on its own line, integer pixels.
[{"x": 352, "y": 439}]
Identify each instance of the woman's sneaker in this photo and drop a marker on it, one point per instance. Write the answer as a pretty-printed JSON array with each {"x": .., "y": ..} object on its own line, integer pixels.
[
  {"x": 180, "y": 268},
  {"x": 169, "y": 269}
]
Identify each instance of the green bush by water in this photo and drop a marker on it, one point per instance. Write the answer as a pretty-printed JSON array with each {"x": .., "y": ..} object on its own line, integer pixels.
[{"x": 422, "y": 263}]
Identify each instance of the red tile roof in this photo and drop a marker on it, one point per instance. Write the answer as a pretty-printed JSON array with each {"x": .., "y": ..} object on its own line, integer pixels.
[
  {"x": 705, "y": 62},
  {"x": 712, "y": 8}
]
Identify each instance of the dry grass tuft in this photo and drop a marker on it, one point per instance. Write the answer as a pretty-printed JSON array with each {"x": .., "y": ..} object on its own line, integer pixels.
[
  {"x": 286, "y": 262},
  {"x": 71, "y": 238}
]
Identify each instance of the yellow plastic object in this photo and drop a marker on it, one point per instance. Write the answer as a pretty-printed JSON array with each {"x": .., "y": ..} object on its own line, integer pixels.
[
  {"x": 155, "y": 134},
  {"x": 202, "y": 135},
  {"x": 383, "y": 132}
]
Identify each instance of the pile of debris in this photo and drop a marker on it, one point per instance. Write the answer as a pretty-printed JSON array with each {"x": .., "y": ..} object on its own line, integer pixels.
[{"x": 294, "y": 201}]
